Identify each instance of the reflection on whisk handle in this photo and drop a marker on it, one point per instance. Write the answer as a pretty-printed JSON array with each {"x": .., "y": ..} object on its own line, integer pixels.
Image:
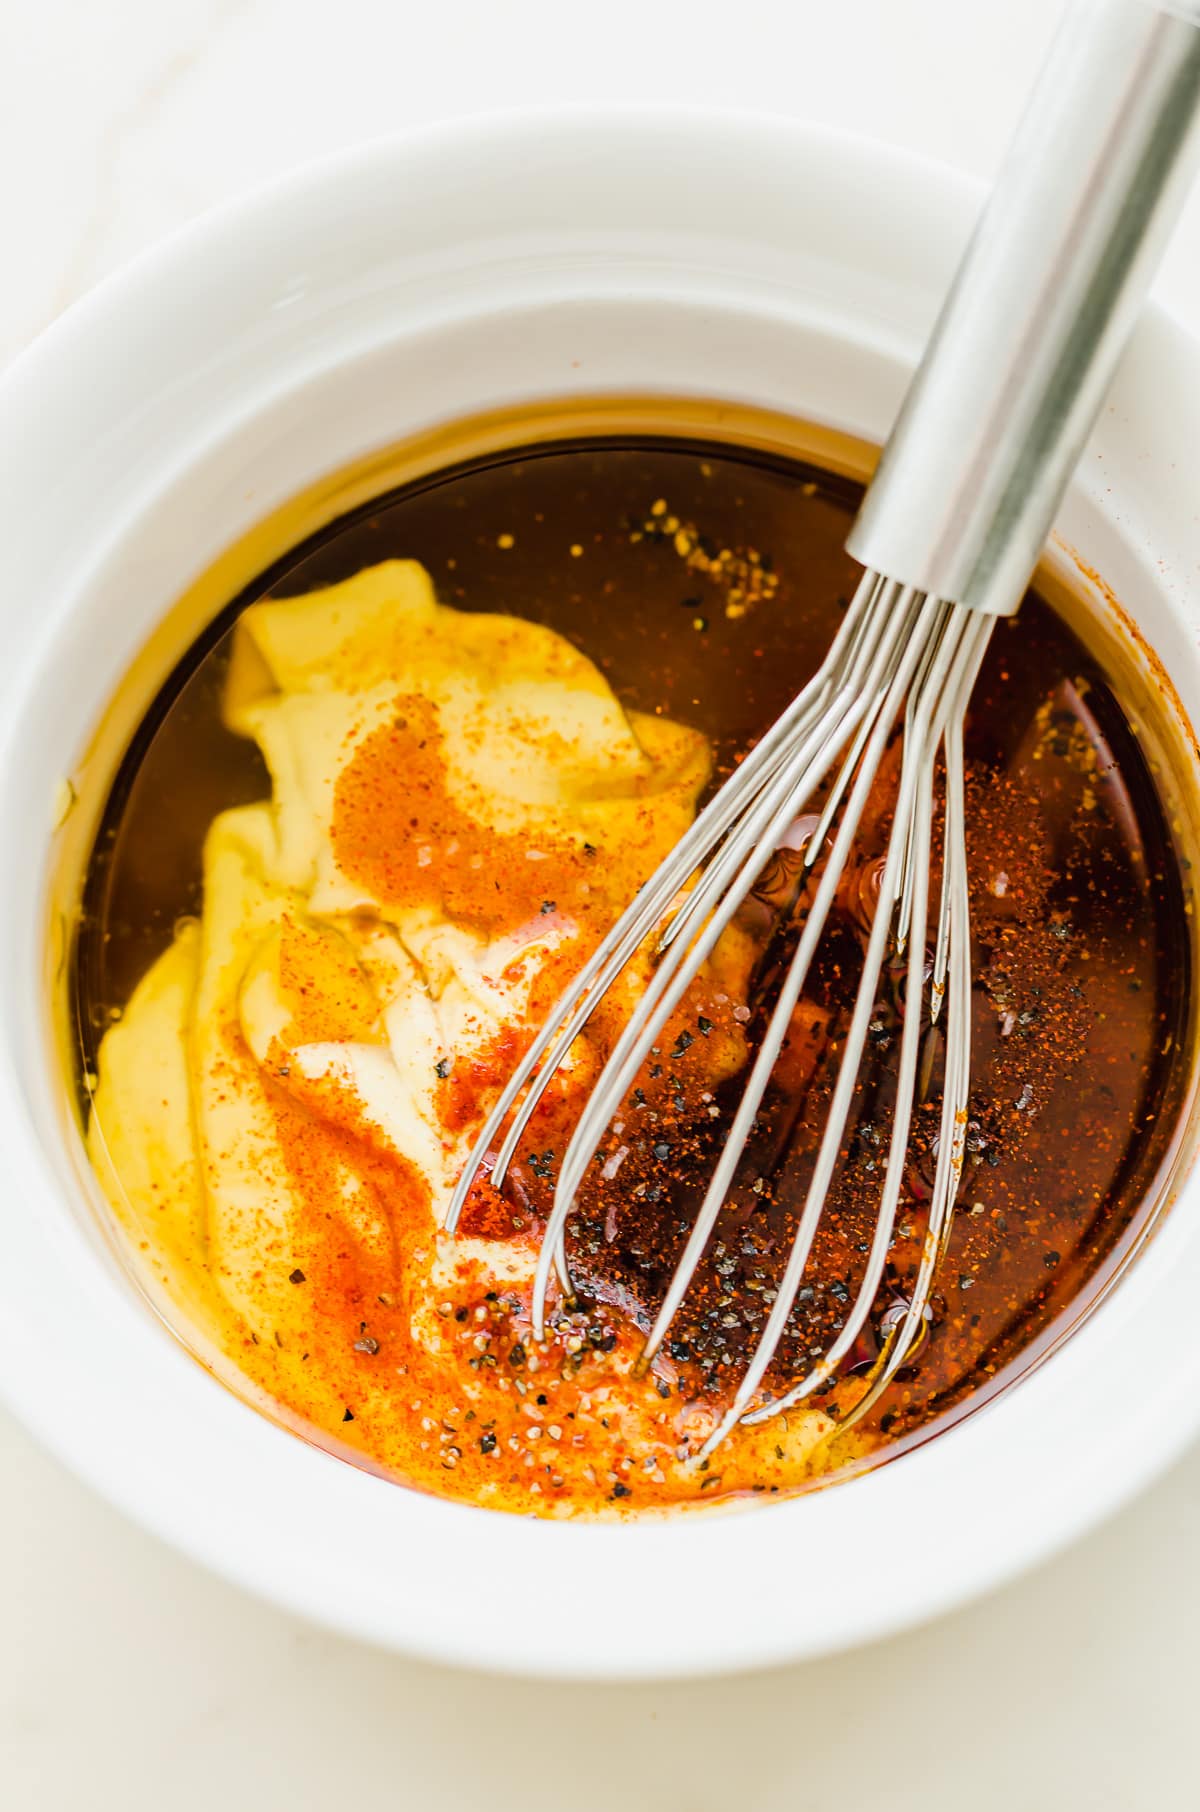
[{"x": 1027, "y": 340}]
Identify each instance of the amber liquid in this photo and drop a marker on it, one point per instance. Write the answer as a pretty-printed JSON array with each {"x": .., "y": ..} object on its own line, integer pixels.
[{"x": 561, "y": 534}]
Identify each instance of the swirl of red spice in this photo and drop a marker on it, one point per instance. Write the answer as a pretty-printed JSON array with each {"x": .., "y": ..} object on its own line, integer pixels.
[{"x": 398, "y": 833}]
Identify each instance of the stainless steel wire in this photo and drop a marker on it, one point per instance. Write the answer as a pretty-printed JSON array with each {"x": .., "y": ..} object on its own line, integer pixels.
[{"x": 902, "y": 662}]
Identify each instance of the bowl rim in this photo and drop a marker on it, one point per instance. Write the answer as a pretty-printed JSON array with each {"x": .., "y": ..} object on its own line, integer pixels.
[{"x": 238, "y": 1539}]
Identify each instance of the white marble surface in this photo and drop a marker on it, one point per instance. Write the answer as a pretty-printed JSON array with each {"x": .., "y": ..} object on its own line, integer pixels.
[{"x": 128, "y": 1678}]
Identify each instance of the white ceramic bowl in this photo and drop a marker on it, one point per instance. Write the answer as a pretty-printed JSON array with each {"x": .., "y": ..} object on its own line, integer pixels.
[{"x": 412, "y": 282}]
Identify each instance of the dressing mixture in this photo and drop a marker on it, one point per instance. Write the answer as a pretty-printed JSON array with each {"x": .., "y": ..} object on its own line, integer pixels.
[{"x": 373, "y": 828}]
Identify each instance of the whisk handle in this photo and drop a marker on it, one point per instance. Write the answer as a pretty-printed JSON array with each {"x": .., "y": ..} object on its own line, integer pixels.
[{"x": 1027, "y": 340}]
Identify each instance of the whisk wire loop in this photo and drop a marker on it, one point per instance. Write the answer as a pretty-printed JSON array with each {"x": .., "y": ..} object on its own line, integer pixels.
[
  {"x": 942, "y": 622},
  {"x": 675, "y": 973},
  {"x": 924, "y": 732},
  {"x": 901, "y": 658}
]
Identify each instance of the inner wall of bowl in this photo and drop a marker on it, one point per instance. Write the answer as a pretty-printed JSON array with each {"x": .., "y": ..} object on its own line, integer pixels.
[{"x": 1144, "y": 686}]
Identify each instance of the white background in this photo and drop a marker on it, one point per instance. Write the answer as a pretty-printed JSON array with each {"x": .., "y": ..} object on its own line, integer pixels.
[{"x": 130, "y": 1680}]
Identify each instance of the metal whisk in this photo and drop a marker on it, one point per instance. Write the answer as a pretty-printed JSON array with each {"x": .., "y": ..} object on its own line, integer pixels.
[{"x": 950, "y": 531}]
